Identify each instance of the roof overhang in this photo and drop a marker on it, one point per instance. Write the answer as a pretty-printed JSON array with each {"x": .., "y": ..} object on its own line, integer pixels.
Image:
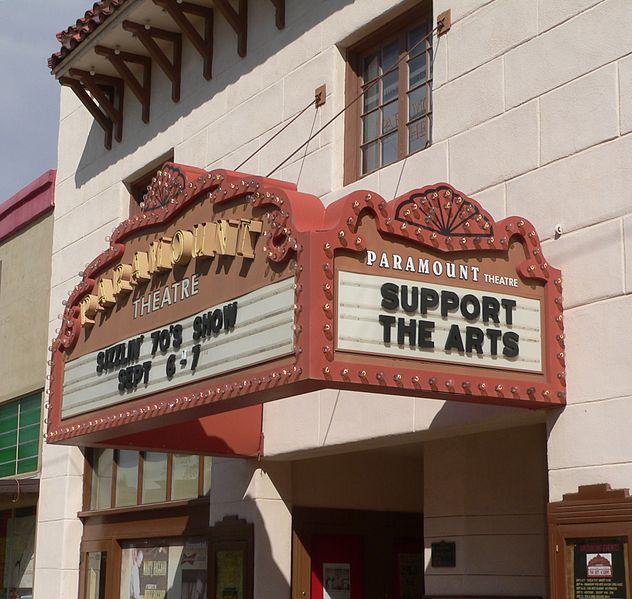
[{"x": 116, "y": 43}]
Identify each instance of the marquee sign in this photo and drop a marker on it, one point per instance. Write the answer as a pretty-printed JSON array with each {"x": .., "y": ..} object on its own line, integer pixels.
[{"x": 230, "y": 290}]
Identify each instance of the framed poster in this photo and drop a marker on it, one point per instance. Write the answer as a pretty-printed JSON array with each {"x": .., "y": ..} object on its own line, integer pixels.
[
  {"x": 231, "y": 559},
  {"x": 193, "y": 569},
  {"x": 336, "y": 566},
  {"x": 597, "y": 568},
  {"x": 164, "y": 569},
  {"x": 230, "y": 574},
  {"x": 336, "y": 581},
  {"x": 147, "y": 572}
]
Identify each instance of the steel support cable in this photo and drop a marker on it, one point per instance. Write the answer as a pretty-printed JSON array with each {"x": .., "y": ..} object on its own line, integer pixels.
[
  {"x": 354, "y": 100},
  {"x": 294, "y": 118},
  {"x": 307, "y": 146}
]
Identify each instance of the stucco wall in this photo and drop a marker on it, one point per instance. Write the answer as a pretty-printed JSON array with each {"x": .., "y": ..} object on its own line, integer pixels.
[
  {"x": 371, "y": 480},
  {"x": 261, "y": 493},
  {"x": 487, "y": 493},
  {"x": 24, "y": 287}
]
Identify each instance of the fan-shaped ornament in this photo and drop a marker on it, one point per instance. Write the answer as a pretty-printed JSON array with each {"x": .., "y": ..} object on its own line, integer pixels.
[
  {"x": 442, "y": 211},
  {"x": 168, "y": 183}
]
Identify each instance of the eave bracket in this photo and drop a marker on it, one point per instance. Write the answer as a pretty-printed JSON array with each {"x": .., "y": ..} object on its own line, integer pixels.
[
  {"x": 141, "y": 89},
  {"x": 202, "y": 43},
  {"x": 147, "y": 36}
]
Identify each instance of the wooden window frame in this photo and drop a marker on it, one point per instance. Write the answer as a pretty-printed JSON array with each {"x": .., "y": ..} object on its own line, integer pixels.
[
  {"x": 232, "y": 534},
  {"x": 137, "y": 184},
  {"x": 109, "y": 530},
  {"x": 89, "y": 473},
  {"x": 396, "y": 28},
  {"x": 19, "y": 401},
  {"x": 112, "y": 577}
]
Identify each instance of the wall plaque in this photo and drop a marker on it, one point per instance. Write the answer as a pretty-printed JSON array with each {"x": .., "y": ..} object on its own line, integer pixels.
[{"x": 443, "y": 554}]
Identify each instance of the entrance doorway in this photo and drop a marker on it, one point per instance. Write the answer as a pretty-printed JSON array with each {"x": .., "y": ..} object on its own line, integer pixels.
[{"x": 357, "y": 554}]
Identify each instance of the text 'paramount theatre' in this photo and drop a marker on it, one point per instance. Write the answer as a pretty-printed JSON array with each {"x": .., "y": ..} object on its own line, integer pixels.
[{"x": 332, "y": 375}]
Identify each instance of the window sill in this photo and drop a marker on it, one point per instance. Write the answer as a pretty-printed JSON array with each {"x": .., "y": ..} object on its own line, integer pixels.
[{"x": 146, "y": 507}]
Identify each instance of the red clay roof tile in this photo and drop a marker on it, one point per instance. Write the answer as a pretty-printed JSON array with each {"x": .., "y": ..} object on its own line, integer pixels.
[{"x": 75, "y": 34}]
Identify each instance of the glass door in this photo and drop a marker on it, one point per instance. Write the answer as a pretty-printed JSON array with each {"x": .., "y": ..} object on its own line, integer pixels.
[{"x": 96, "y": 569}]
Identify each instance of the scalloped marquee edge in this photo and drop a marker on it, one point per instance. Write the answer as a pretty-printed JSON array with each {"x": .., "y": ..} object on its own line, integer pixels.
[{"x": 435, "y": 216}]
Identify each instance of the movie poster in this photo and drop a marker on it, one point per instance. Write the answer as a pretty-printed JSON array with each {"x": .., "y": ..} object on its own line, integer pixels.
[
  {"x": 193, "y": 565},
  {"x": 230, "y": 574},
  {"x": 148, "y": 568},
  {"x": 599, "y": 568},
  {"x": 336, "y": 581}
]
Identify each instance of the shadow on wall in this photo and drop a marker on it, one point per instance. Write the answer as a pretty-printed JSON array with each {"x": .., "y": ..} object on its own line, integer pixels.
[
  {"x": 177, "y": 568},
  {"x": 475, "y": 417},
  {"x": 301, "y": 17},
  {"x": 480, "y": 417}
]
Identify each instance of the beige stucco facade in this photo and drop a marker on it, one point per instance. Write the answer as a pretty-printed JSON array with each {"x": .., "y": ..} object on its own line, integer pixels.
[
  {"x": 532, "y": 115},
  {"x": 24, "y": 287},
  {"x": 26, "y": 235}
]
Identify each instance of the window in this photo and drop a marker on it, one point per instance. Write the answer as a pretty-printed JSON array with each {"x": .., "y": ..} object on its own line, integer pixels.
[
  {"x": 137, "y": 184},
  {"x": 96, "y": 571},
  {"x": 19, "y": 435},
  {"x": 185, "y": 475},
  {"x": 164, "y": 568},
  {"x": 101, "y": 491},
  {"x": 155, "y": 477},
  {"x": 17, "y": 550},
  {"x": 126, "y": 491},
  {"x": 125, "y": 478},
  {"x": 392, "y": 69}
]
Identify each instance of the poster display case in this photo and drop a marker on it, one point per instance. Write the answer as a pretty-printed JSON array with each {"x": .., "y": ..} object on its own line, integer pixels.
[
  {"x": 164, "y": 569},
  {"x": 589, "y": 540},
  {"x": 597, "y": 567}
]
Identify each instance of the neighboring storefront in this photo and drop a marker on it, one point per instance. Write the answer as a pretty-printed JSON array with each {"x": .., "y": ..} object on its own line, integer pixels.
[
  {"x": 26, "y": 237},
  {"x": 347, "y": 372}
]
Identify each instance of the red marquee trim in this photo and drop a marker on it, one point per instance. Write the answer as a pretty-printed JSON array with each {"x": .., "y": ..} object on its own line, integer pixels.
[{"x": 302, "y": 229}]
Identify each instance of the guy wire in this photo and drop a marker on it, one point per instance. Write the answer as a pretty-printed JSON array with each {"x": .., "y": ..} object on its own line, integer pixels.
[
  {"x": 354, "y": 100},
  {"x": 296, "y": 116}
]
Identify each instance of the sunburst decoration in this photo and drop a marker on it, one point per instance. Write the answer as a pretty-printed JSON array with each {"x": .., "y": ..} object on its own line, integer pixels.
[
  {"x": 168, "y": 183},
  {"x": 442, "y": 211}
]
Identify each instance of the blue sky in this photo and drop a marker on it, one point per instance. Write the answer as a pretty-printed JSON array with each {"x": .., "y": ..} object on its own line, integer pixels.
[{"x": 29, "y": 94}]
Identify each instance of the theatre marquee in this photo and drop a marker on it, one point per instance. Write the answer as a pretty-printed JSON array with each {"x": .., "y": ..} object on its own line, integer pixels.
[{"x": 230, "y": 290}]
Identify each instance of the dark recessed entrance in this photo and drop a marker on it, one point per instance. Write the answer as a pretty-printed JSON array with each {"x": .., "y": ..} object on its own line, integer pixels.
[{"x": 354, "y": 554}]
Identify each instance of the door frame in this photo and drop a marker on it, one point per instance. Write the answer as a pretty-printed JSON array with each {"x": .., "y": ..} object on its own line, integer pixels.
[
  {"x": 595, "y": 511},
  {"x": 307, "y": 522}
]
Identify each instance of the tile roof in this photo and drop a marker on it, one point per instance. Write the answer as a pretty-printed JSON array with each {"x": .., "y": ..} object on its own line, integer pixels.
[{"x": 70, "y": 38}]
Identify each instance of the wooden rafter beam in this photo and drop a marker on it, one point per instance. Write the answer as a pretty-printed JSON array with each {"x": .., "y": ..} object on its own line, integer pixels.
[
  {"x": 140, "y": 88},
  {"x": 99, "y": 116},
  {"x": 202, "y": 43},
  {"x": 108, "y": 92},
  {"x": 279, "y": 5},
  {"x": 172, "y": 68},
  {"x": 238, "y": 20}
]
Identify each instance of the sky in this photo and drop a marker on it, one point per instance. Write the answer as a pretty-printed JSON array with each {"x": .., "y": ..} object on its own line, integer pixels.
[{"x": 29, "y": 94}]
